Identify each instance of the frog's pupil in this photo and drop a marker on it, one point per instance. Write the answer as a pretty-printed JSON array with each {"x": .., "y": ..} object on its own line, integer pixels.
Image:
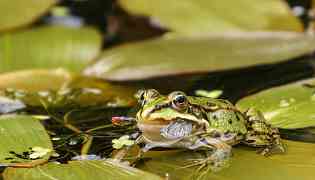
[{"x": 180, "y": 99}]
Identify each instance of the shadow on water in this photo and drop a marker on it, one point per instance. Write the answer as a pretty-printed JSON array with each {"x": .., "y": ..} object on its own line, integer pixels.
[{"x": 239, "y": 83}]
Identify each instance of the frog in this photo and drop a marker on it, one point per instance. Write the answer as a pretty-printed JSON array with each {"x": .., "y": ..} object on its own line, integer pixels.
[{"x": 177, "y": 120}]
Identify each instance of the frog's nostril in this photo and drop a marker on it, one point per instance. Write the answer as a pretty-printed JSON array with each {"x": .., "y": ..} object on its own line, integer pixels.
[
  {"x": 143, "y": 102},
  {"x": 157, "y": 107},
  {"x": 250, "y": 141},
  {"x": 217, "y": 134}
]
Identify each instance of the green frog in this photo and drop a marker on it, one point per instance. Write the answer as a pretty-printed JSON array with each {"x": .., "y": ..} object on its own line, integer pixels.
[{"x": 201, "y": 123}]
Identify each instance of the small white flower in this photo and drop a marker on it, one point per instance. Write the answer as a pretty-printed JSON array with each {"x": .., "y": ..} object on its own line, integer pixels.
[{"x": 39, "y": 152}]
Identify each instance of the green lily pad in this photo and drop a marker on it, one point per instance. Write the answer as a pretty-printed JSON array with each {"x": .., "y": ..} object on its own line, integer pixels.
[
  {"x": 79, "y": 170},
  {"x": 49, "y": 47},
  {"x": 297, "y": 163},
  {"x": 16, "y": 13},
  {"x": 35, "y": 80},
  {"x": 19, "y": 135},
  {"x": 172, "y": 56},
  {"x": 203, "y": 16},
  {"x": 290, "y": 106}
]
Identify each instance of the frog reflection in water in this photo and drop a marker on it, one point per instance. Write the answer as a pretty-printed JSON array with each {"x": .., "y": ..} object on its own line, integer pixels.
[{"x": 197, "y": 123}]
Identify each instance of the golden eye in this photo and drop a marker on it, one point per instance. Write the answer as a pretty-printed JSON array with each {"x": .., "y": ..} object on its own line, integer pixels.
[{"x": 179, "y": 100}]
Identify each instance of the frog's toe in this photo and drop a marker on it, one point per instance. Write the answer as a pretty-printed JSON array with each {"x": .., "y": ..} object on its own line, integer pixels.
[
  {"x": 219, "y": 159},
  {"x": 209, "y": 165},
  {"x": 273, "y": 149},
  {"x": 215, "y": 162},
  {"x": 221, "y": 154}
]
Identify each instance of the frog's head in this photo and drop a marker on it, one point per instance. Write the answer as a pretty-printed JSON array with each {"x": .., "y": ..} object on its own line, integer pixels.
[
  {"x": 159, "y": 115},
  {"x": 160, "y": 109}
]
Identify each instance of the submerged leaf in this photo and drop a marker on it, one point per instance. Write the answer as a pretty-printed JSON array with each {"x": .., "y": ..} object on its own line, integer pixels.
[
  {"x": 35, "y": 80},
  {"x": 49, "y": 47},
  {"x": 79, "y": 170},
  {"x": 290, "y": 106},
  {"x": 19, "y": 134},
  {"x": 15, "y": 13},
  {"x": 180, "y": 55},
  {"x": 204, "y": 16},
  {"x": 32, "y": 86},
  {"x": 96, "y": 91}
]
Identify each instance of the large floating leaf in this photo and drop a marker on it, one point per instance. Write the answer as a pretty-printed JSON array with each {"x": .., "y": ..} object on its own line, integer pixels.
[
  {"x": 19, "y": 134},
  {"x": 298, "y": 163},
  {"x": 180, "y": 55},
  {"x": 79, "y": 170},
  {"x": 49, "y": 47},
  {"x": 34, "y": 80},
  {"x": 289, "y": 106},
  {"x": 203, "y": 16},
  {"x": 16, "y": 13}
]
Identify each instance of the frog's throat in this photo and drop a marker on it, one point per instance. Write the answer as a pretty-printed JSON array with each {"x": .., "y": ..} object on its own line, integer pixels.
[{"x": 165, "y": 144}]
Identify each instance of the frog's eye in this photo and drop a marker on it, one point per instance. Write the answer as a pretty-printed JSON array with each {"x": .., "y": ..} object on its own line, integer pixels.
[{"x": 179, "y": 100}]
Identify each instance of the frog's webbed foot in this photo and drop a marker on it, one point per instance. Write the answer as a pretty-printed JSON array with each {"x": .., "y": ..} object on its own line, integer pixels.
[
  {"x": 261, "y": 134},
  {"x": 272, "y": 149},
  {"x": 218, "y": 157}
]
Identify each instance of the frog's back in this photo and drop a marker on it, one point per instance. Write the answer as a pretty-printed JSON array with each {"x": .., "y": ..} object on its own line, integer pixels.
[{"x": 221, "y": 115}]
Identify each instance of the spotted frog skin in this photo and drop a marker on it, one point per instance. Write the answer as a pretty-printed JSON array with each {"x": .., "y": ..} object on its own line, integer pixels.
[{"x": 180, "y": 121}]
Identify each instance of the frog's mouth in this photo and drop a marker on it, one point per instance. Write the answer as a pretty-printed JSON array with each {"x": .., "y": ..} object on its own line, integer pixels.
[
  {"x": 166, "y": 115},
  {"x": 157, "y": 121}
]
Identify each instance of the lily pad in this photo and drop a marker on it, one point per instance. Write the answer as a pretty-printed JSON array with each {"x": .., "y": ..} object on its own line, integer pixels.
[
  {"x": 49, "y": 47},
  {"x": 19, "y": 134},
  {"x": 15, "y": 13},
  {"x": 204, "y": 16},
  {"x": 172, "y": 56},
  {"x": 297, "y": 163},
  {"x": 290, "y": 106},
  {"x": 79, "y": 170}
]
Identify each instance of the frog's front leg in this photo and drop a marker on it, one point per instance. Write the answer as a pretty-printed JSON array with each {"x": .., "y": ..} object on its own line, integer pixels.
[
  {"x": 261, "y": 134},
  {"x": 219, "y": 153}
]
